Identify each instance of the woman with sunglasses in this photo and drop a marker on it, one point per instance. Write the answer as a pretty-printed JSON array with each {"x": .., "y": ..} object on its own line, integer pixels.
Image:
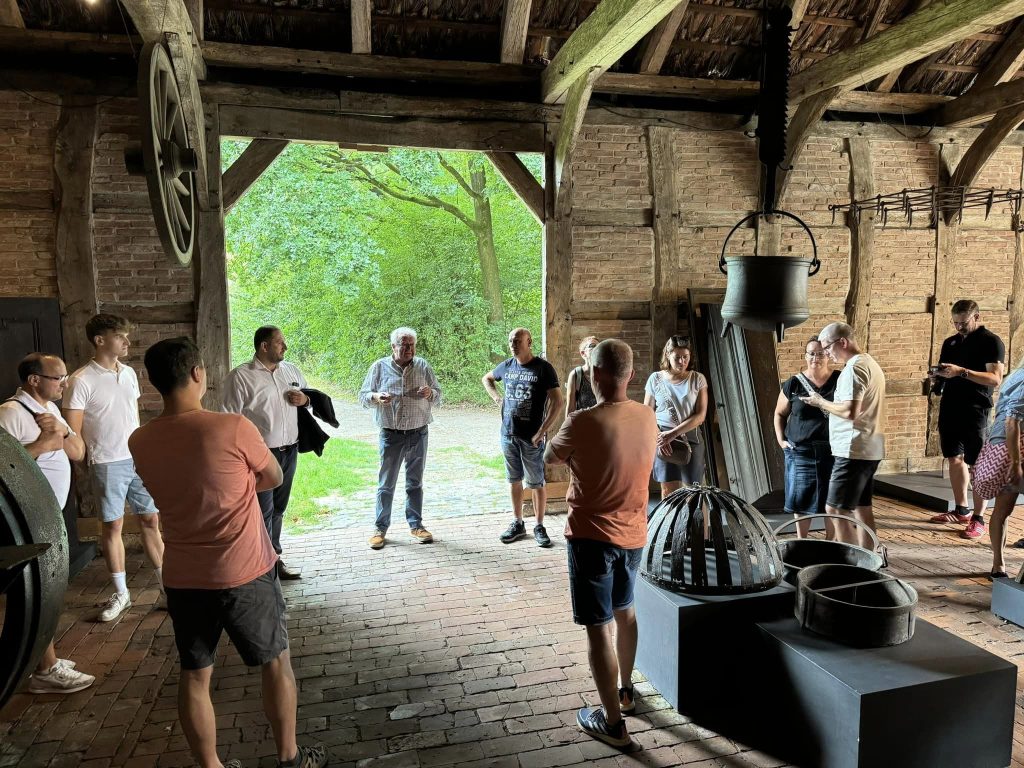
[
  {"x": 579, "y": 394},
  {"x": 802, "y": 432},
  {"x": 679, "y": 398}
]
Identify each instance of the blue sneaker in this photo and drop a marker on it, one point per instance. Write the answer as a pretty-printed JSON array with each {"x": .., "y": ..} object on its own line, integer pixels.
[{"x": 591, "y": 721}]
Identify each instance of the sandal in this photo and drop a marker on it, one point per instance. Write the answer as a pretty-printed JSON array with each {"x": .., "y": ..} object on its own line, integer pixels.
[
  {"x": 998, "y": 575},
  {"x": 1018, "y": 544}
]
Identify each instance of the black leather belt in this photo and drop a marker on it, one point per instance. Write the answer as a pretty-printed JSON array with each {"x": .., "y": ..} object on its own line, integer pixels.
[
  {"x": 285, "y": 448},
  {"x": 403, "y": 431}
]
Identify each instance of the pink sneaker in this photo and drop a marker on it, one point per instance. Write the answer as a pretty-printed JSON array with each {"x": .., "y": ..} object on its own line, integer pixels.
[
  {"x": 974, "y": 530},
  {"x": 950, "y": 517}
]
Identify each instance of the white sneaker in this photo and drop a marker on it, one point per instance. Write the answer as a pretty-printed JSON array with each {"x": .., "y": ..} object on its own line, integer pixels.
[
  {"x": 66, "y": 663},
  {"x": 116, "y": 604},
  {"x": 161, "y": 601},
  {"x": 59, "y": 679}
]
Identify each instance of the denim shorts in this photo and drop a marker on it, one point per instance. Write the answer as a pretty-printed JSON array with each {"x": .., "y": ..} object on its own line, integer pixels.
[
  {"x": 523, "y": 461},
  {"x": 601, "y": 579},
  {"x": 252, "y": 614},
  {"x": 852, "y": 484},
  {"x": 116, "y": 483}
]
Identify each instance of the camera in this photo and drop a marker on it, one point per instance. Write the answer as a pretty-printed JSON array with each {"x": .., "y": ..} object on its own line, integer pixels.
[{"x": 935, "y": 369}]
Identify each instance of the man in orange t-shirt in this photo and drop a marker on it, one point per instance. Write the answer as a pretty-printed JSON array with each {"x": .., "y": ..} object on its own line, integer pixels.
[
  {"x": 610, "y": 452},
  {"x": 219, "y": 565}
]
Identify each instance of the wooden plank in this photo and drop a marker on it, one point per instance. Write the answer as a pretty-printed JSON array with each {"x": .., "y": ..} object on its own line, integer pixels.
[
  {"x": 370, "y": 67},
  {"x": 874, "y": 22},
  {"x": 570, "y": 124},
  {"x": 209, "y": 275},
  {"x": 34, "y": 41},
  {"x": 614, "y": 217},
  {"x": 798, "y": 8},
  {"x": 295, "y": 125},
  {"x": 658, "y": 43},
  {"x": 515, "y": 22},
  {"x": 920, "y": 34},
  {"x": 1015, "y": 303},
  {"x": 978, "y": 105},
  {"x": 158, "y": 313},
  {"x": 521, "y": 180},
  {"x": 982, "y": 148},
  {"x": 362, "y": 13},
  {"x": 1006, "y": 62},
  {"x": 807, "y": 115},
  {"x": 74, "y": 156},
  {"x": 26, "y": 200},
  {"x": 862, "y": 238},
  {"x": 187, "y": 70},
  {"x": 665, "y": 293},
  {"x": 10, "y": 14},
  {"x": 602, "y": 39},
  {"x": 285, "y": 97},
  {"x": 154, "y": 19},
  {"x": 196, "y": 16},
  {"x": 248, "y": 167},
  {"x": 610, "y": 310}
]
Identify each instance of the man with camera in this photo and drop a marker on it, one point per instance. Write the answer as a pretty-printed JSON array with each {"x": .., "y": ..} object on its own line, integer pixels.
[{"x": 970, "y": 367}]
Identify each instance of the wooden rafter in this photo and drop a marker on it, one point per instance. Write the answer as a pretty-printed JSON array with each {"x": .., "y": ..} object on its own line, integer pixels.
[
  {"x": 609, "y": 31},
  {"x": 799, "y": 11},
  {"x": 874, "y": 21},
  {"x": 979, "y": 105},
  {"x": 10, "y": 14},
  {"x": 920, "y": 34},
  {"x": 247, "y": 168},
  {"x": 658, "y": 42},
  {"x": 515, "y": 21},
  {"x": 982, "y": 148},
  {"x": 573, "y": 113},
  {"x": 801, "y": 123},
  {"x": 1006, "y": 62},
  {"x": 362, "y": 13},
  {"x": 521, "y": 180}
]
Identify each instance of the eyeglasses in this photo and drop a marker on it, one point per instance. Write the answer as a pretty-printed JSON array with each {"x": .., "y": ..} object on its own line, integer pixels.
[
  {"x": 964, "y": 323},
  {"x": 825, "y": 347},
  {"x": 61, "y": 379},
  {"x": 815, "y": 355}
]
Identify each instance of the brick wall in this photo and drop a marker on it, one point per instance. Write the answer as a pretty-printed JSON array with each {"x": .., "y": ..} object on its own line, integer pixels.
[
  {"x": 28, "y": 128},
  {"x": 612, "y": 263}
]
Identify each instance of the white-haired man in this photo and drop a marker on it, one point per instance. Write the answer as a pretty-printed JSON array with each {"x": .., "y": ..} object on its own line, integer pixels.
[
  {"x": 402, "y": 390},
  {"x": 856, "y": 417}
]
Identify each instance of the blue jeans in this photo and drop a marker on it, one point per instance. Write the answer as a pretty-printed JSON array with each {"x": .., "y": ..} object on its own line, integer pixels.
[
  {"x": 523, "y": 460},
  {"x": 397, "y": 446}
]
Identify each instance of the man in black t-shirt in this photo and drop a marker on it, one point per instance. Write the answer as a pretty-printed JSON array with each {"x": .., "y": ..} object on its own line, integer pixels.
[
  {"x": 531, "y": 403},
  {"x": 970, "y": 367}
]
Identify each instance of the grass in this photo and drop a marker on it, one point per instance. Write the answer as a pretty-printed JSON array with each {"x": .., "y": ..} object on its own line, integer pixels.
[{"x": 346, "y": 467}]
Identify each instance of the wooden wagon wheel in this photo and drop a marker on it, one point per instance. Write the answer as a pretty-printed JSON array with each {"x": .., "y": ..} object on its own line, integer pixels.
[{"x": 164, "y": 156}]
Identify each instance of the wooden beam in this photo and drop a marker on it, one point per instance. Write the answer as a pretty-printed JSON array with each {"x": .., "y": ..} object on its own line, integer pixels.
[
  {"x": 248, "y": 167},
  {"x": 36, "y": 41},
  {"x": 196, "y": 16},
  {"x": 614, "y": 217},
  {"x": 154, "y": 20},
  {"x": 158, "y": 313},
  {"x": 74, "y": 157},
  {"x": 610, "y": 310},
  {"x": 982, "y": 148},
  {"x": 369, "y": 67},
  {"x": 862, "y": 238},
  {"x": 656, "y": 46},
  {"x": 930, "y": 29},
  {"x": 570, "y": 125},
  {"x": 294, "y": 125},
  {"x": 978, "y": 105},
  {"x": 521, "y": 180},
  {"x": 1006, "y": 62},
  {"x": 557, "y": 269},
  {"x": 807, "y": 116},
  {"x": 209, "y": 273},
  {"x": 10, "y": 14},
  {"x": 609, "y": 31},
  {"x": 515, "y": 22},
  {"x": 362, "y": 13},
  {"x": 665, "y": 292},
  {"x": 875, "y": 20},
  {"x": 798, "y": 9}
]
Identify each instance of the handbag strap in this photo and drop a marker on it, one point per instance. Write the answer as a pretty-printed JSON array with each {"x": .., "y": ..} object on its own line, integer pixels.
[
  {"x": 673, "y": 399},
  {"x": 16, "y": 400},
  {"x": 806, "y": 384}
]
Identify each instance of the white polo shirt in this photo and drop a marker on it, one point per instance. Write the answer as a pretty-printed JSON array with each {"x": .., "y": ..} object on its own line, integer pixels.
[
  {"x": 257, "y": 393},
  {"x": 21, "y": 425},
  {"x": 110, "y": 401}
]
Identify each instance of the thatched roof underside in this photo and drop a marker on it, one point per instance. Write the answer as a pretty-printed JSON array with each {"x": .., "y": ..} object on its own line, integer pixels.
[{"x": 717, "y": 39}]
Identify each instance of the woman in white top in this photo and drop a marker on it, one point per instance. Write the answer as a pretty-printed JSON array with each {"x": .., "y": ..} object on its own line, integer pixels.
[{"x": 679, "y": 398}]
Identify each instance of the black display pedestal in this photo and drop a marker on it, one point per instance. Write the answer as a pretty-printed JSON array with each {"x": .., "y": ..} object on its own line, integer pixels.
[
  {"x": 934, "y": 701},
  {"x": 1008, "y": 600}
]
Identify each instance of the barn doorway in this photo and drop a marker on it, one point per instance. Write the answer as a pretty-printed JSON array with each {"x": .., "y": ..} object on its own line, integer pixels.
[{"x": 337, "y": 247}]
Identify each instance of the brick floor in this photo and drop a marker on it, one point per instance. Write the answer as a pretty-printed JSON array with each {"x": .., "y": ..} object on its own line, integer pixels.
[{"x": 461, "y": 653}]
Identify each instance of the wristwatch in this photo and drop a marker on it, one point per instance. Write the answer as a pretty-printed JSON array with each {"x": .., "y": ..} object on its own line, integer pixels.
[{"x": 963, "y": 373}]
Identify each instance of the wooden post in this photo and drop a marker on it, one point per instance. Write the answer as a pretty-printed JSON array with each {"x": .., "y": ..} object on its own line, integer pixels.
[
  {"x": 665, "y": 211},
  {"x": 74, "y": 154},
  {"x": 862, "y": 238},
  {"x": 210, "y": 283},
  {"x": 1015, "y": 344}
]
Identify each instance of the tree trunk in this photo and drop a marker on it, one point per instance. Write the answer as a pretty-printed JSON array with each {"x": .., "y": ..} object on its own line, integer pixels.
[{"x": 484, "y": 232}]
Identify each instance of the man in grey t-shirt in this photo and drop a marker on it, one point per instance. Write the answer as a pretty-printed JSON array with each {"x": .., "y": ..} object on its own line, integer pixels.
[{"x": 856, "y": 416}]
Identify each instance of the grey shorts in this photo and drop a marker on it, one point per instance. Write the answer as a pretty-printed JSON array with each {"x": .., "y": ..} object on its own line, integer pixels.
[
  {"x": 115, "y": 484},
  {"x": 252, "y": 615}
]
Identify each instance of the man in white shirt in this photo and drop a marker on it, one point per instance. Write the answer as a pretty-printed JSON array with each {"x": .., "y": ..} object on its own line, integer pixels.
[
  {"x": 102, "y": 405},
  {"x": 855, "y": 426},
  {"x": 31, "y": 418},
  {"x": 402, "y": 389},
  {"x": 266, "y": 391}
]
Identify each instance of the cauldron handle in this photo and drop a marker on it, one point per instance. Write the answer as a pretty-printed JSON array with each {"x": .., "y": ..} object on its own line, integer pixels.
[
  {"x": 865, "y": 526},
  {"x": 815, "y": 262}
]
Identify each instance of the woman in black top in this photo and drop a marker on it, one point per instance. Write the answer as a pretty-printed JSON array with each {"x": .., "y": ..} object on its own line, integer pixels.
[
  {"x": 579, "y": 394},
  {"x": 802, "y": 432}
]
